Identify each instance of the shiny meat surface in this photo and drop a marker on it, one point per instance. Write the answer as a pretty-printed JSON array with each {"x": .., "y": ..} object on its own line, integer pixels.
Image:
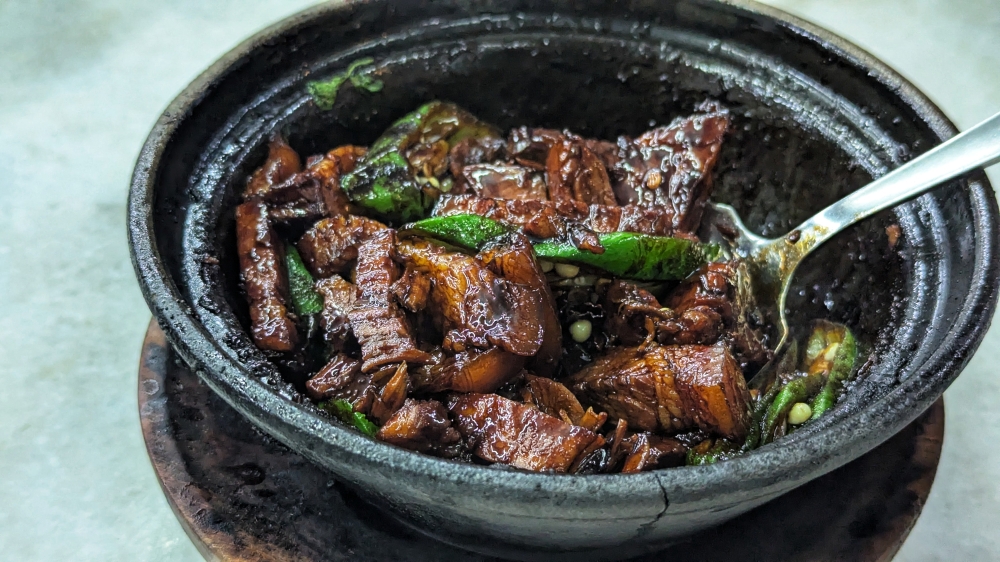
[
  {"x": 474, "y": 150},
  {"x": 711, "y": 388},
  {"x": 670, "y": 388},
  {"x": 476, "y": 308},
  {"x": 468, "y": 371},
  {"x": 503, "y": 181},
  {"x": 412, "y": 289},
  {"x": 379, "y": 324},
  {"x": 281, "y": 163},
  {"x": 513, "y": 258},
  {"x": 500, "y": 430},
  {"x": 331, "y": 245},
  {"x": 315, "y": 192},
  {"x": 670, "y": 166},
  {"x": 630, "y": 311},
  {"x": 554, "y": 399},
  {"x": 649, "y": 451},
  {"x": 422, "y": 426},
  {"x": 338, "y": 299},
  {"x": 652, "y": 220},
  {"x": 574, "y": 173},
  {"x": 264, "y": 278},
  {"x": 707, "y": 307},
  {"x": 342, "y": 378},
  {"x": 392, "y": 395},
  {"x": 530, "y": 146}
]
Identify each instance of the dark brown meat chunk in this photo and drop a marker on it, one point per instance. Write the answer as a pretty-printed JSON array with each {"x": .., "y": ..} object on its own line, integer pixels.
[
  {"x": 530, "y": 147},
  {"x": 331, "y": 245},
  {"x": 264, "y": 278},
  {"x": 468, "y": 371},
  {"x": 503, "y": 181},
  {"x": 475, "y": 150},
  {"x": 392, "y": 395},
  {"x": 412, "y": 289},
  {"x": 422, "y": 426},
  {"x": 338, "y": 299},
  {"x": 281, "y": 163},
  {"x": 513, "y": 258},
  {"x": 378, "y": 322},
  {"x": 653, "y": 220},
  {"x": 630, "y": 310},
  {"x": 711, "y": 388},
  {"x": 473, "y": 306},
  {"x": 606, "y": 151},
  {"x": 707, "y": 306},
  {"x": 315, "y": 192},
  {"x": 648, "y": 452},
  {"x": 554, "y": 399},
  {"x": 669, "y": 388},
  {"x": 500, "y": 430},
  {"x": 342, "y": 379},
  {"x": 671, "y": 166},
  {"x": 574, "y": 173}
]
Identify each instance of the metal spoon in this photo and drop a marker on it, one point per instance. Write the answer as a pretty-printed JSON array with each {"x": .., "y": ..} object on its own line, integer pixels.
[{"x": 768, "y": 264}]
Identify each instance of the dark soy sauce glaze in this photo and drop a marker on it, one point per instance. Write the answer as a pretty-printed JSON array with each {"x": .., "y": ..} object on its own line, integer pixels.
[{"x": 772, "y": 170}]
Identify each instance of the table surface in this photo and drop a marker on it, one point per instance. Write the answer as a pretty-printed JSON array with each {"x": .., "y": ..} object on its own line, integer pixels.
[{"x": 82, "y": 82}]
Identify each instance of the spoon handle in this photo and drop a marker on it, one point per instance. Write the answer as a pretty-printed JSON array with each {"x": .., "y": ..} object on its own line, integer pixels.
[{"x": 979, "y": 147}]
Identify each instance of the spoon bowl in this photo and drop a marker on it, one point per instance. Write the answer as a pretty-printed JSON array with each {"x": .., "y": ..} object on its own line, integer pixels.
[{"x": 767, "y": 265}]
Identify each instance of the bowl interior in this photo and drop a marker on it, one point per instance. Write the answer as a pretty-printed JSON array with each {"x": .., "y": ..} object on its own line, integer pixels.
[{"x": 811, "y": 123}]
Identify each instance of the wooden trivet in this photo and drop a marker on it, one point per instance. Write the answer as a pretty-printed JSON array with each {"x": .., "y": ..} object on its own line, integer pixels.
[{"x": 242, "y": 496}]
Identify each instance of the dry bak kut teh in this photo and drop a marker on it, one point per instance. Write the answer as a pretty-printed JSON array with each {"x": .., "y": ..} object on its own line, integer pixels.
[{"x": 534, "y": 299}]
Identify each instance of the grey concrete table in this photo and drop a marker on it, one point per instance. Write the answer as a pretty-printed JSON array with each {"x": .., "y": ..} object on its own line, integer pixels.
[{"x": 81, "y": 83}]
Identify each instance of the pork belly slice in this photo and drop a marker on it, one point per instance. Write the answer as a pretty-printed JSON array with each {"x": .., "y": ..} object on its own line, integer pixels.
[
  {"x": 315, "y": 192},
  {"x": 503, "y": 181},
  {"x": 422, "y": 426},
  {"x": 342, "y": 379},
  {"x": 650, "y": 452},
  {"x": 472, "y": 151},
  {"x": 468, "y": 371},
  {"x": 632, "y": 310},
  {"x": 474, "y": 307},
  {"x": 668, "y": 388},
  {"x": 500, "y": 430},
  {"x": 338, "y": 300},
  {"x": 331, "y": 245},
  {"x": 709, "y": 301},
  {"x": 377, "y": 321},
  {"x": 412, "y": 289},
  {"x": 554, "y": 399},
  {"x": 282, "y": 161},
  {"x": 671, "y": 166},
  {"x": 513, "y": 258},
  {"x": 575, "y": 174},
  {"x": 264, "y": 278}
]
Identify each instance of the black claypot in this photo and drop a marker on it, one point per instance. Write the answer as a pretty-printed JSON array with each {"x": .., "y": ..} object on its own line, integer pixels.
[{"x": 814, "y": 119}]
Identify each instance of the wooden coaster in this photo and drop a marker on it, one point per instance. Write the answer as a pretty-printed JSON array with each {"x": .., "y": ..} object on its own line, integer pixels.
[{"x": 242, "y": 496}]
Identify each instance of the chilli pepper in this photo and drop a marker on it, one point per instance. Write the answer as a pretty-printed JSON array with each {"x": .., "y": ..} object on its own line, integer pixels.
[
  {"x": 633, "y": 256},
  {"x": 471, "y": 232},
  {"x": 834, "y": 351},
  {"x": 389, "y": 180},
  {"x": 305, "y": 299},
  {"x": 345, "y": 412}
]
